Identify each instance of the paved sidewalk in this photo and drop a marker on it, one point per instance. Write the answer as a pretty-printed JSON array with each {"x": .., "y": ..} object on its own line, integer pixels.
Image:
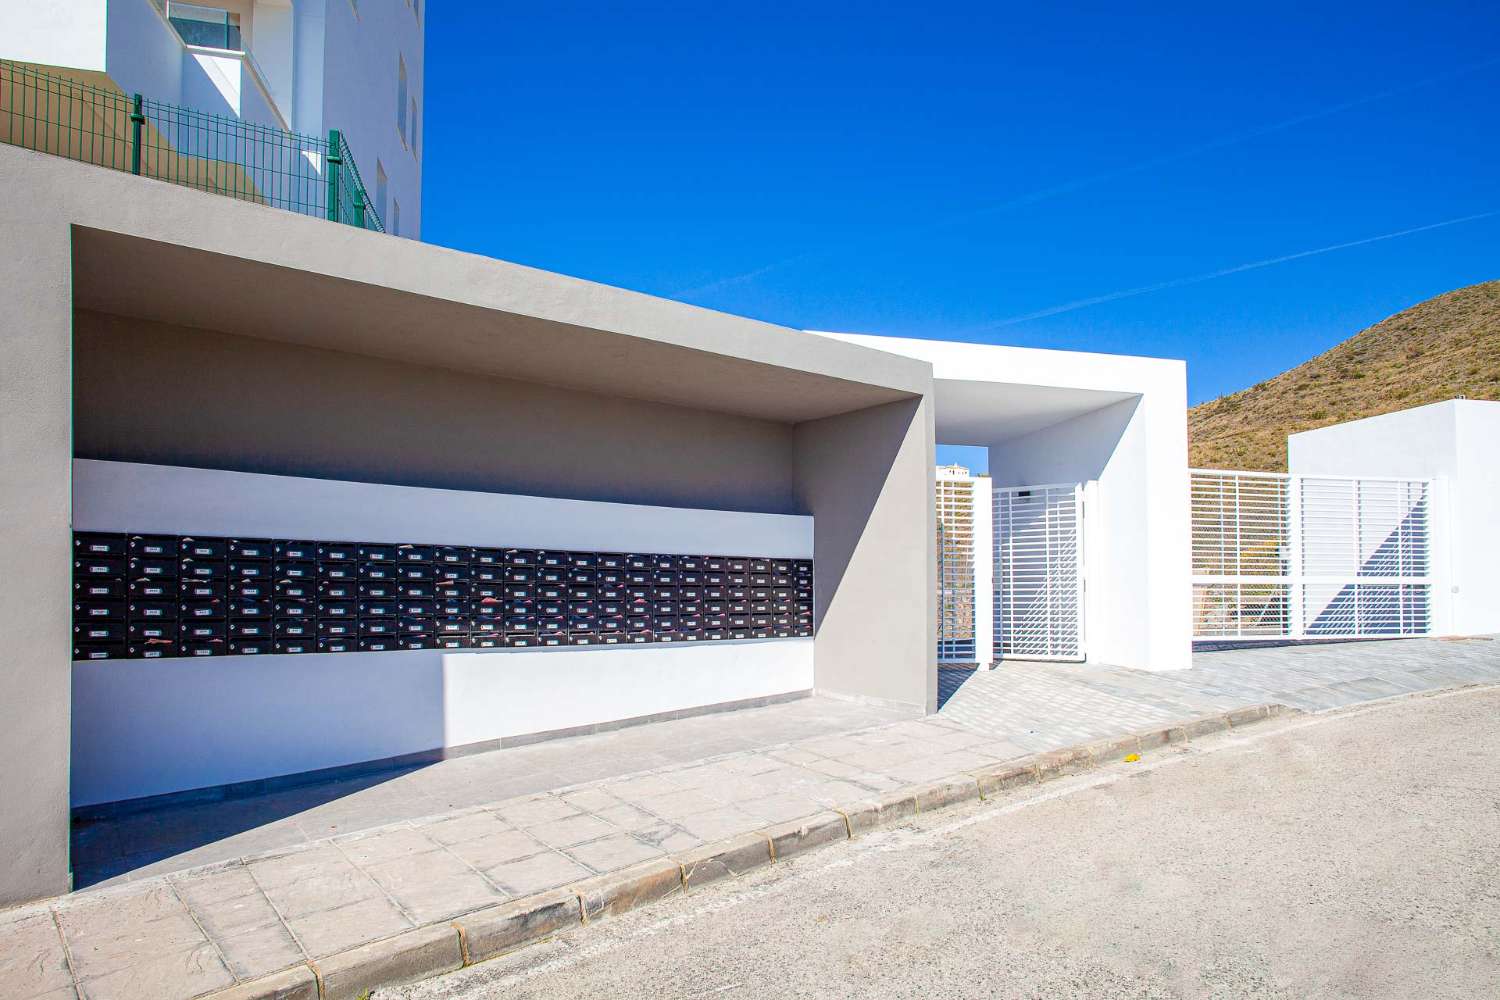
[
  {"x": 194, "y": 932},
  {"x": 189, "y": 836}
]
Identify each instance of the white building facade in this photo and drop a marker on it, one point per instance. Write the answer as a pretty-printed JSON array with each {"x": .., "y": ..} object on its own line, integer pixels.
[{"x": 303, "y": 66}]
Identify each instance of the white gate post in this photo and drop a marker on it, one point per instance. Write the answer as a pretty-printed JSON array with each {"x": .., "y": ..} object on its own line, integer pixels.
[
  {"x": 1296, "y": 599},
  {"x": 984, "y": 572}
]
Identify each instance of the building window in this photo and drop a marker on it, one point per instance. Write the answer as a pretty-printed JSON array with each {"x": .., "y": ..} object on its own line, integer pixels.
[
  {"x": 401, "y": 98},
  {"x": 395, "y": 217},
  {"x": 211, "y": 27},
  {"x": 380, "y": 189},
  {"x": 414, "y": 127}
]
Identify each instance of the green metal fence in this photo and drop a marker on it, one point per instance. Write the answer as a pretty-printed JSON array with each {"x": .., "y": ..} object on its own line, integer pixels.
[{"x": 79, "y": 116}]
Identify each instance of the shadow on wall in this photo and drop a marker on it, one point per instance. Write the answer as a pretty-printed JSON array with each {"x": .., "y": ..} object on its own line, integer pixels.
[
  {"x": 1381, "y": 609},
  {"x": 867, "y": 477},
  {"x": 302, "y": 717},
  {"x": 105, "y": 845},
  {"x": 1073, "y": 451},
  {"x": 854, "y": 478}
]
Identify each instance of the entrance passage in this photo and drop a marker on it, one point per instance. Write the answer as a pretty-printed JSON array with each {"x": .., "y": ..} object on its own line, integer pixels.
[{"x": 1038, "y": 580}]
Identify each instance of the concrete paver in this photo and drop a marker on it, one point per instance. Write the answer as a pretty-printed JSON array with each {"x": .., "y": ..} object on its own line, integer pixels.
[{"x": 184, "y": 933}]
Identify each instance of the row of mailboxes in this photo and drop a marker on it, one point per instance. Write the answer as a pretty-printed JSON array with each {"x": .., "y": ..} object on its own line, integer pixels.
[{"x": 165, "y": 596}]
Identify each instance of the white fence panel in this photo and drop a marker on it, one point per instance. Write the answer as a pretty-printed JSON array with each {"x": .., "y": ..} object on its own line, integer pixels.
[{"x": 1278, "y": 556}]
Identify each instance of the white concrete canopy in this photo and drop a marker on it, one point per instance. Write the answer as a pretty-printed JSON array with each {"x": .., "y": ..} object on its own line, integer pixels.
[{"x": 1115, "y": 424}]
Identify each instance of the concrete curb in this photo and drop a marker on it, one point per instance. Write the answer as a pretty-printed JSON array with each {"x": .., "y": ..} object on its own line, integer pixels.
[{"x": 494, "y": 931}]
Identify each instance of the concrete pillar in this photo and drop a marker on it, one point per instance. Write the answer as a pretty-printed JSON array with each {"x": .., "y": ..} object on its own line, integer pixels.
[
  {"x": 35, "y": 551},
  {"x": 867, "y": 479}
]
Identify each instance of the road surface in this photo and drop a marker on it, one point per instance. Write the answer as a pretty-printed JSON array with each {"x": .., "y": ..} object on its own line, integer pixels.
[{"x": 1347, "y": 855}]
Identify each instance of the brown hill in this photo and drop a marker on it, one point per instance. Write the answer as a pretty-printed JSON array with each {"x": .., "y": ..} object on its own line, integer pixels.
[{"x": 1445, "y": 347}]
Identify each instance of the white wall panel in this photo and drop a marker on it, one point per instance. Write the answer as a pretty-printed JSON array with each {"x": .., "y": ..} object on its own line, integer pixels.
[
  {"x": 146, "y": 727},
  {"x": 126, "y": 496}
]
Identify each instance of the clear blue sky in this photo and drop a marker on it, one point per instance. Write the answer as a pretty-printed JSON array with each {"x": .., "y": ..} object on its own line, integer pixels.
[{"x": 954, "y": 171}]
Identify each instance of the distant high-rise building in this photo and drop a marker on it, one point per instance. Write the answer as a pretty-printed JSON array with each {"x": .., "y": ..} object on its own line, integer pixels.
[{"x": 955, "y": 555}]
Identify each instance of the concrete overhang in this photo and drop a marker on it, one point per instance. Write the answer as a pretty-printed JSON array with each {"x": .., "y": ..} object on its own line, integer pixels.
[
  {"x": 967, "y": 412},
  {"x": 157, "y": 251},
  {"x": 986, "y": 394},
  {"x": 191, "y": 287}
]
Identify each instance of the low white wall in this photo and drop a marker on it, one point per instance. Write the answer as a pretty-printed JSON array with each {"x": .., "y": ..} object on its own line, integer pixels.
[{"x": 145, "y": 727}]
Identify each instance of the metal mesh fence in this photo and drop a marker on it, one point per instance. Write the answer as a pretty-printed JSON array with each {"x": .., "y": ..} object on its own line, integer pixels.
[{"x": 80, "y": 116}]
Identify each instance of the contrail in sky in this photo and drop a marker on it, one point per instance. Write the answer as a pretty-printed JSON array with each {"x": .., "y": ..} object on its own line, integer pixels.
[
  {"x": 1088, "y": 180},
  {"x": 1210, "y": 275}
]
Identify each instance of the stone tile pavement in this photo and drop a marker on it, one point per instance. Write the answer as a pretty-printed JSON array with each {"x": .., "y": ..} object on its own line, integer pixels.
[
  {"x": 192, "y": 835},
  {"x": 187, "y": 933}
]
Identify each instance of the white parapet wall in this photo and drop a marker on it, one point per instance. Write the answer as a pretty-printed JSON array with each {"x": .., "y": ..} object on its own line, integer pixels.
[{"x": 149, "y": 727}]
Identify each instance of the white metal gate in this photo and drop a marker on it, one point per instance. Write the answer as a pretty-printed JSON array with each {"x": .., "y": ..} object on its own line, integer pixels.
[
  {"x": 1038, "y": 580},
  {"x": 1278, "y": 556}
]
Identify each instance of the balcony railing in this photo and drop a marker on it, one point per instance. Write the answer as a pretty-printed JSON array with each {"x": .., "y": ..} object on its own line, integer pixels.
[{"x": 72, "y": 117}]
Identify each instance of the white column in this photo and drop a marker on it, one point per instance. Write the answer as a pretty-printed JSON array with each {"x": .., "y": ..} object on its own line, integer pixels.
[{"x": 984, "y": 572}]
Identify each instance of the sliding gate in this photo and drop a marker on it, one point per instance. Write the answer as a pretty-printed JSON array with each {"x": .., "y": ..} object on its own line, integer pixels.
[
  {"x": 1291, "y": 557},
  {"x": 1038, "y": 584}
]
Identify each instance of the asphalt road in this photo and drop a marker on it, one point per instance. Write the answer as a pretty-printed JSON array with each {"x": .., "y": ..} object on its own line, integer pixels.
[{"x": 1346, "y": 855}]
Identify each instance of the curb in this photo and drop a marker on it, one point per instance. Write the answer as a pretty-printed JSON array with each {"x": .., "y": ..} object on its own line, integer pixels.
[{"x": 497, "y": 930}]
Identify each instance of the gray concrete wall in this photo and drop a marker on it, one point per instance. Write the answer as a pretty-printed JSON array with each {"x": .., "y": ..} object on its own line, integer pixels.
[
  {"x": 251, "y": 405},
  {"x": 867, "y": 479},
  {"x": 35, "y": 553},
  {"x": 89, "y": 235}
]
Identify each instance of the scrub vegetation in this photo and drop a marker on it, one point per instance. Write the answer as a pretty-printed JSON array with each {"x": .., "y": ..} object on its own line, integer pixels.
[{"x": 1446, "y": 347}]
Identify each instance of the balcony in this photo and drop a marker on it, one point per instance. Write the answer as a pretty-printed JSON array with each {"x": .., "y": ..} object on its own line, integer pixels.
[
  {"x": 208, "y": 27},
  {"x": 213, "y": 38},
  {"x": 78, "y": 116}
]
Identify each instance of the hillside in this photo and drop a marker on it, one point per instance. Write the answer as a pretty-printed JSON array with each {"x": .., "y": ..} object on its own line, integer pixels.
[{"x": 1445, "y": 347}]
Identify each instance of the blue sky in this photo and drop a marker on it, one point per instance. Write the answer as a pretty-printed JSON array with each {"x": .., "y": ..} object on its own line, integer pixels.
[{"x": 977, "y": 171}]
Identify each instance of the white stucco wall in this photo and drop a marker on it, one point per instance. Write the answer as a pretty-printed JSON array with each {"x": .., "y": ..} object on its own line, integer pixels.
[
  {"x": 1116, "y": 422},
  {"x": 1457, "y": 444},
  {"x": 144, "y": 727},
  {"x": 359, "y": 72},
  {"x": 55, "y": 33}
]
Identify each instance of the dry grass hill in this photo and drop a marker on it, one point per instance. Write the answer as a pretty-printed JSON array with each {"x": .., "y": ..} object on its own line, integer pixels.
[{"x": 1445, "y": 347}]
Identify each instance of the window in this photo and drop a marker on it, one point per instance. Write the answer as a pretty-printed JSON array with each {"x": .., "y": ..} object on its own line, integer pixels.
[
  {"x": 211, "y": 27},
  {"x": 414, "y": 127},
  {"x": 395, "y": 217},
  {"x": 380, "y": 189},
  {"x": 401, "y": 97}
]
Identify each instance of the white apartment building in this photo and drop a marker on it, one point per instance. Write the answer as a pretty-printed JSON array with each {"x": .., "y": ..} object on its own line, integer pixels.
[{"x": 303, "y": 66}]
